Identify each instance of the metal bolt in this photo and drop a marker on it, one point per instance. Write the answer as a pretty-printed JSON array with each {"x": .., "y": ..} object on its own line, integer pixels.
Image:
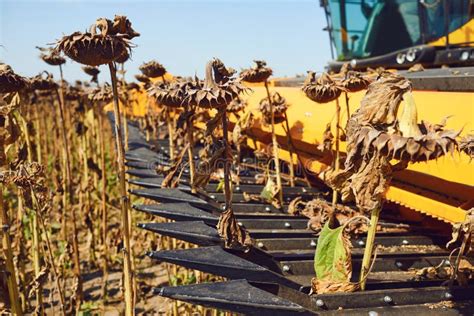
[
  {"x": 447, "y": 262},
  {"x": 186, "y": 171},
  {"x": 196, "y": 157},
  {"x": 319, "y": 302},
  {"x": 399, "y": 264},
  {"x": 304, "y": 190},
  {"x": 448, "y": 295},
  {"x": 405, "y": 242},
  {"x": 287, "y": 225},
  {"x": 213, "y": 197},
  {"x": 239, "y": 223},
  {"x": 237, "y": 188},
  {"x": 260, "y": 244},
  {"x": 313, "y": 243},
  {"x": 387, "y": 299},
  {"x": 223, "y": 207},
  {"x": 361, "y": 243},
  {"x": 373, "y": 313},
  {"x": 286, "y": 268},
  {"x": 267, "y": 209}
]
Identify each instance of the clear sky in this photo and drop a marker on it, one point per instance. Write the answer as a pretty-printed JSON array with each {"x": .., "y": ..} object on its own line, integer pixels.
[{"x": 182, "y": 35}]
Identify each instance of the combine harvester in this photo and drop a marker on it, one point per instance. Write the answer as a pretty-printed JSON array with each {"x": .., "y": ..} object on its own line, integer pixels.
[{"x": 428, "y": 42}]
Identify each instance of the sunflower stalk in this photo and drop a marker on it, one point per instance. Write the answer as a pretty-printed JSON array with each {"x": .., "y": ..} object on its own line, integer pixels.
[
  {"x": 169, "y": 122},
  {"x": 10, "y": 268},
  {"x": 227, "y": 184},
  {"x": 35, "y": 248},
  {"x": 369, "y": 246},
  {"x": 40, "y": 221},
  {"x": 103, "y": 198},
  {"x": 190, "y": 135},
  {"x": 68, "y": 193},
  {"x": 290, "y": 150},
  {"x": 275, "y": 146},
  {"x": 337, "y": 153},
  {"x": 124, "y": 202}
]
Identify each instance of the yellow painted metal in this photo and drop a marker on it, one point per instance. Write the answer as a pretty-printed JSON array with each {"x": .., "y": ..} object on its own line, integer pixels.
[
  {"x": 436, "y": 188},
  {"x": 464, "y": 34}
]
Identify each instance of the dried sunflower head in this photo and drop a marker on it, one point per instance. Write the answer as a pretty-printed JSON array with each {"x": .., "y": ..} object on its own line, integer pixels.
[
  {"x": 237, "y": 105},
  {"x": 466, "y": 144},
  {"x": 386, "y": 125},
  {"x": 322, "y": 89},
  {"x": 354, "y": 81},
  {"x": 123, "y": 58},
  {"x": 380, "y": 104},
  {"x": 51, "y": 57},
  {"x": 93, "y": 49},
  {"x": 212, "y": 94},
  {"x": 279, "y": 108},
  {"x": 172, "y": 94},
  {"x": 101, "y": 94},
  {"x": 43, "y": 81},
  {"x": 73, "y": 93},
  {"x": 152, "y": 69},
  {"x": 133, "y": 86},
  {"x": 258, "y": 73},
  {"x": 142, "y": 78},
  {"x": 10, "y": 81},
  {"x": 91, "y": 71},
  {"x": 221, "y": 72},
  {"x": 119, "y": 26}
]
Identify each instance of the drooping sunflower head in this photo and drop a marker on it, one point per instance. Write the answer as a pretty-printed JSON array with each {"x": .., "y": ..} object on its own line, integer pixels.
[
  {"x": 43, "y": 81},
  {"x": 259, "y": 73},
  {"x": 152, "y": 69},
  {"x": 10, "y": 81},
  {"x": 321, "y": 89},
  {"x": 173, "y": 94},
  {"x": 93, "y": 48},
  {"x": 466, "y": 145},
  {"x": 214, "y": 94},
  {"x": 237, "y": 105},
  {"x": 103, "y": 93},
  {"x": 142, "y": 78},
  {"x": 354, "y": 81},
  {"x": 51, "y": 56},
  {"x": 92, "y": 71},
  {"x": 387, "y": 124},
  {"x": 279, "y": 109}
]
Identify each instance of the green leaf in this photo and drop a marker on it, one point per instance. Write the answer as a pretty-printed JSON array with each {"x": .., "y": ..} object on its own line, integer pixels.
[
  {"x": 269, "y": 190},
  {"x": 332, "y": 260},
  {"x": 220, "y": 186}
]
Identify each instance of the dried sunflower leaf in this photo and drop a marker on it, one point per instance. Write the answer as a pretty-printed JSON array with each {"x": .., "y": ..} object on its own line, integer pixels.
[{"x": 332, "y": 260}]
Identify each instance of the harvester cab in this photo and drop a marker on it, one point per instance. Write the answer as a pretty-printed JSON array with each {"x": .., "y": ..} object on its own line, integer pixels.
[{"x": 400, "y": 33}]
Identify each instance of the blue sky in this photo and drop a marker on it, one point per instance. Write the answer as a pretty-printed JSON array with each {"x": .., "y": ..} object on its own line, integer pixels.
[{"x": 180, "y": 34}]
